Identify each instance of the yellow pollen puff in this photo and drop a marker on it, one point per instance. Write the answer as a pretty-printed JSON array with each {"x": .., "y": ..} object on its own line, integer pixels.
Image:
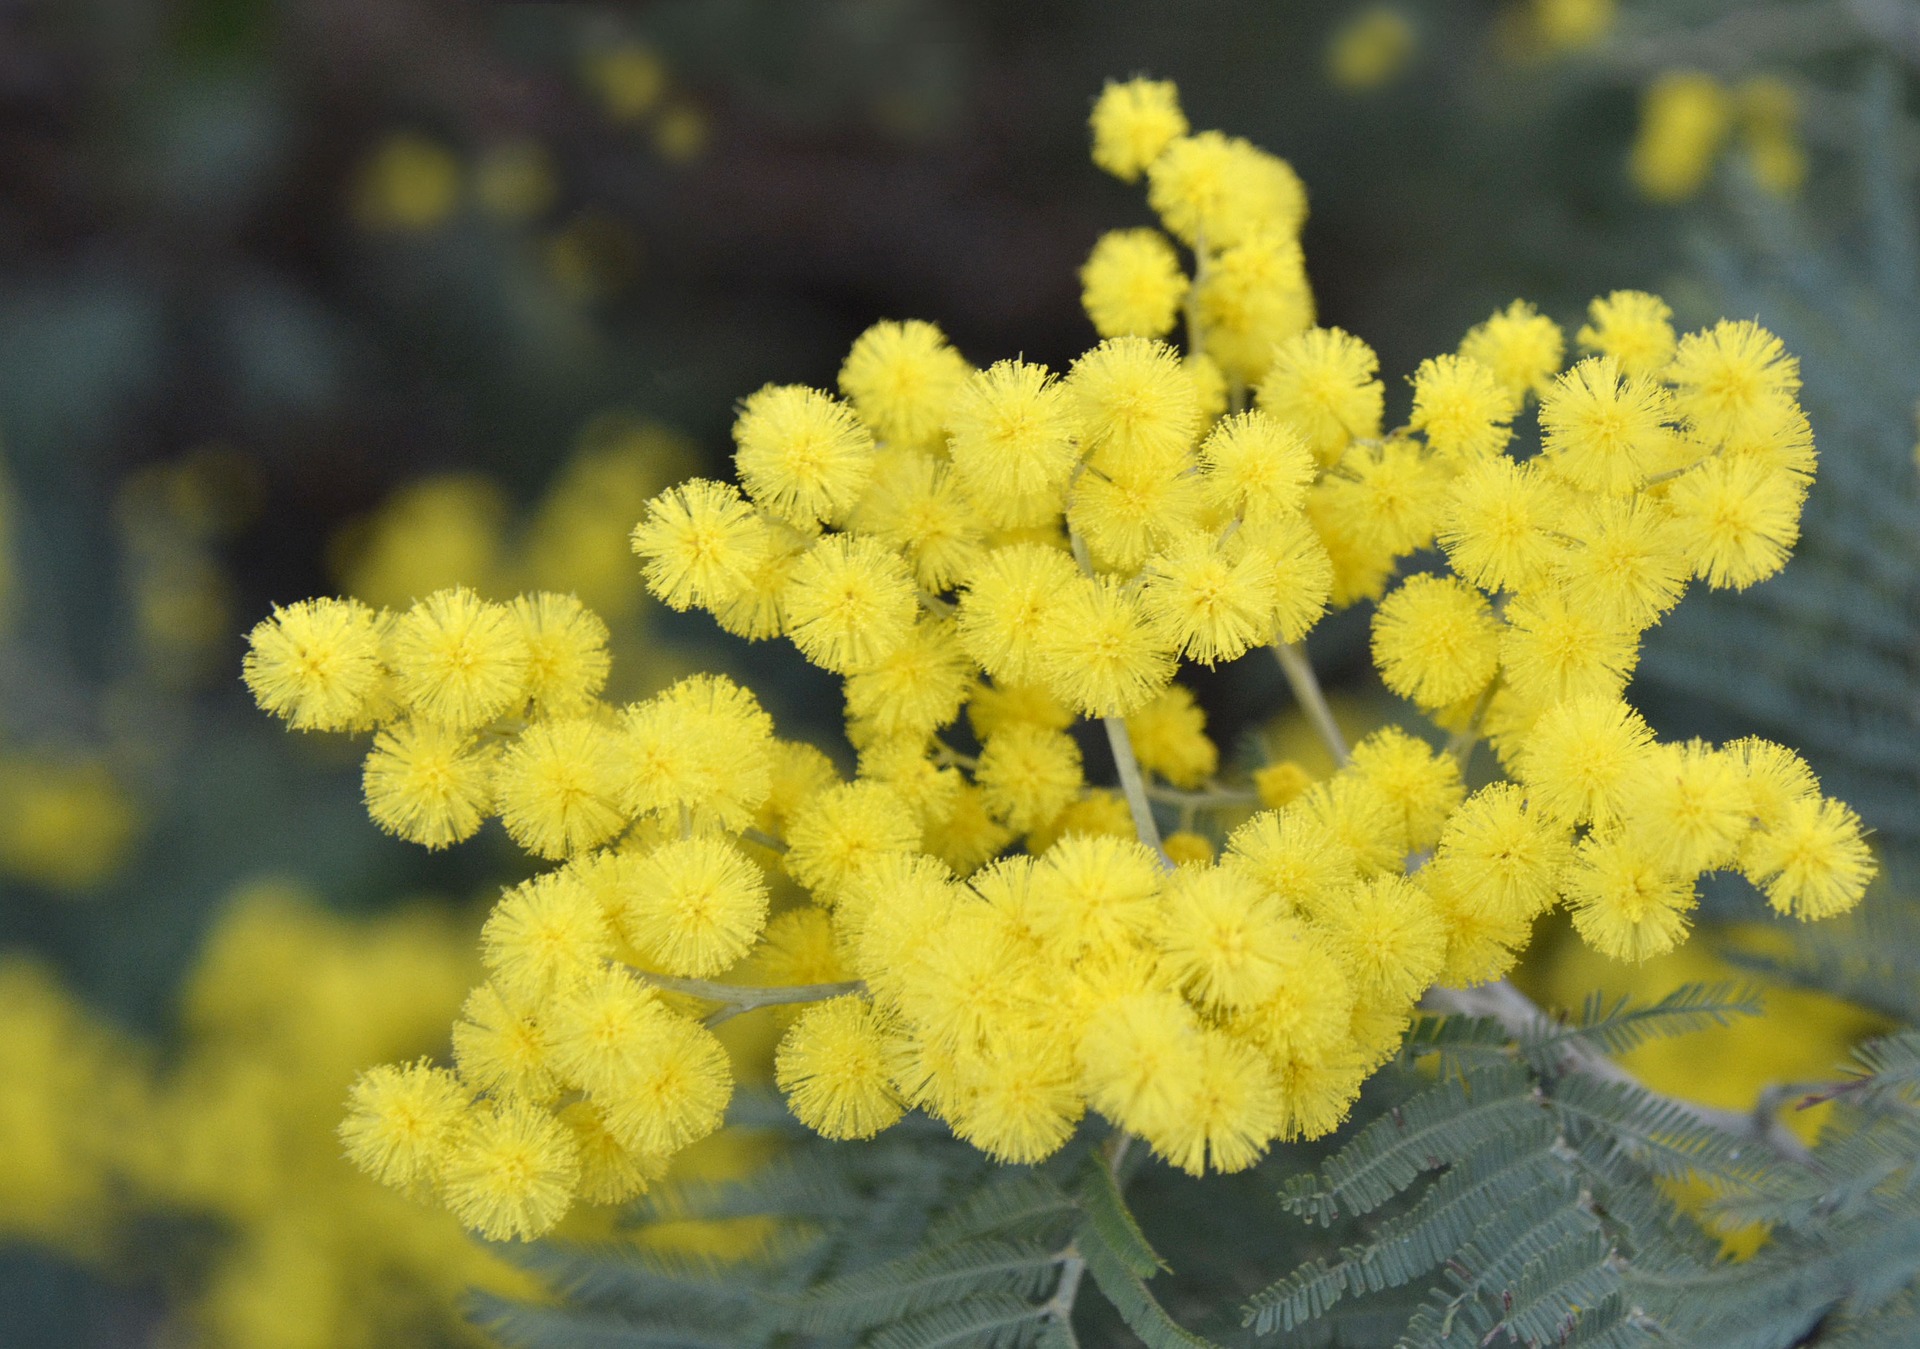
[
  {"x": 1576, "y": 758},
  {"x": 1389, "y": 496},
  {"x": 1185, "y": 848},
  {"x": 1294, "y": 856},
  {"x": 500, "y": 1047},
  {"x": 1135, "y": 400},
  {"x": 1628, "y": 563},
  {"x": 544, "y": 933},
  {"x": 697, "y": 905},
  {"x": 1728, "y": 379},
  {"x": 832, "y": 1065},
  {"x": 1233, "y": 1111},
  {"x": 1253, "y": 295},
  {"x": 1100, "y": 652},
  {"x": 701, "y": 543},
  {"x": 399, "y": 1121},
  {"x": 1501, "y": 526},
  {"x": 1125, "y": 508},
  {"x": 802, "y": 455},
  {"x": 916, "y": 506},
  {"x": 609, "y": 1172},
  {"x": 1132, "y": 285},
  {"x": 558, "y": 786},
  {"x": 1520, "y": 345},
  {"x": 428, "y": 784},
  {"x": 675, "y": 1092},
  {"x": 1257, "y": 466},
  {"x": 1027, "y": 775},
  {"x": 900, "y": 378},
  {"x": 1215, "y": 190},
  {"x": 1013, "y": 436},
  {"x": 831, "y": 838},
  {"x": 1169, "y": 737},
  {"x": 917, "y": 688},
  {"x": 1424, "y": 787},
  {"x": 1625, "y": 903},
  {"x": 755, "y": 609},
  {"x": 1019, "y": 1101},
  {"x": 1812, "y": 859},
  {"x": 1503, "y": 858},
  {"x": 1552, "y": 651},
  {"x": 1435, "y": 641},
  {"x": 510, "y": 1172},
  {"x": 592, "y": 1027},
  {"x": 1223, "y": 936},
  {"x": 849, "y": 603},
  {"x": 1325, "y": 384},
  {"x": 1216, "y": 603},
  {"x": 317, "y": 664},
  {"x": 1685, "y": 117},
  {"x": 1462, "y": 407},
  {"x": 1389, "y": 934},
  {"x": 1740, "y": 519},
  {"x": 1634, "y": 328},
  {"x": 1132, "y": 123},
  {"x": 704, "y": 745},
  {"x": 1000, "y": 612},
  {"x": 1687, "y": 807},
  {"x": 458, "y": 660},
  {"x": 567, "y": 660},
  {"x": 1280, "y": 785},
  {"x": 1604, "y": 431}
]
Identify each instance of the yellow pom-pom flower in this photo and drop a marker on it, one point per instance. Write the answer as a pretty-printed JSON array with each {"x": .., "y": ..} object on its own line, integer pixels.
[
  {"x": 1634, "y": 328},
  {"x": 1436, "y": 641},
  {"x": 1576, "y": 759},
  {"x": 1685, "y": 117},
  {"x": 1132, "y": 123},
  {"x": 1503, "y": 857},
  {"x": 316, "y": 664},
  {"x": 500, "y": 1046},
  {"x": 400, "y": 1118},
  {"x": 1136, "y": 401},
  {"x": 544, "y": 933},
  {"x": 900, "y": 378},
  {"x": 458, "y": 661},
  {"x": 1501, "y": 529},
  {"x": 1169, "y": 737},
  {"x": 1462, "y": 407},
  {"x": 593, "y": 1026},
  {"x": 1520, "y": 345},
  {"x": 1687, "y": 807},
  {"x": 1325, "y": 384},
  {"x": 1739, "y": 517},
  {"x": 1423, "y": 787},
  {"x": 1215, "y": 602},
  {"x": 1000, "y": 613},
  {"x": 849, "y": 603},
  {"x": 1389, "y": 934},
  {"x": 1219, "y": 190},
  {"x": 1625, "y": 903},
  {"x": 916, "y": 505},
  {"x": 1234, "y": 1111},
  {"x": 675, "y": 1092},
  {"x": 701, "y": 543},
  {"x": 1729, "y": 379},
  {"x": 567, "y": 661},
  {"x": 1812, "y": 861},
  {"x": 428, "y": 784},
  {"x": 1224, "y": 936},
  {"x": 511, "y": 1171},
  {"x": 1014, "y": 441},
  {"x": 1605, "y": 431},
  {"x": 832, "y": 837},
  {"x": 558, "y": 786},
  {"x": 917, "y": 688},
  {"x": 1552, "y": 651},
  {"x": 1257, "y": 466},
  {"x": 1100, "y": 652},
  {"x": 832, "y": 1065},
  {"x": 1294, "y": 856},
  {"x": 802, "y": 455},
  {"x": 1028, "y": 774},
  {"x": 697, "y": 905},
  {"x": 1628, "y": 563},
  {"x": 1132, "y": 285}
]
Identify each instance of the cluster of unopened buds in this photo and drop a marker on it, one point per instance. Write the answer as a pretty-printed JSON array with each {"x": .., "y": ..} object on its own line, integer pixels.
[{"x": 990, "y": 557}]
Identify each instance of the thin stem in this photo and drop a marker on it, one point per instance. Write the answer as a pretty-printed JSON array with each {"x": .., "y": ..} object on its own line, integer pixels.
[
  {"x": 1460, "y": 745},
  {"x": 763, "y": 838},
  {"x": 1207, "y": 798},
  {"x": 738, "y": 998},
  {"x": 1523, "y": 1019},
  {"x": 1134, "y": 786},
  {"x": 1060, "y": 1305},
  {"x": 1306, "y": 691}
]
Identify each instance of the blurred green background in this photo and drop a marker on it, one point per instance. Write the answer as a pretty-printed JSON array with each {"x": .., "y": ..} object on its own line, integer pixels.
[{"x": 265, "y": 265}]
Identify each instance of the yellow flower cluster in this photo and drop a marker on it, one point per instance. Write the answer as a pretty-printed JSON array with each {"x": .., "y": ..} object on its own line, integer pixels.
[{"x": 983, "y": 934}]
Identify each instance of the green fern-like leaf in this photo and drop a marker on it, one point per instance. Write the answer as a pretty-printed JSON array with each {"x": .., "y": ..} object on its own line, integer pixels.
[
  {"x": 900, "y": 1288},
  {"x": 1619, "y": 1026},
  {"x": 1127, "y": 1291},
  {"x": 1425, "y": 1131},
  {"x": 987, "y": 1321},
  {"x": 1112, "y": 1223}
]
